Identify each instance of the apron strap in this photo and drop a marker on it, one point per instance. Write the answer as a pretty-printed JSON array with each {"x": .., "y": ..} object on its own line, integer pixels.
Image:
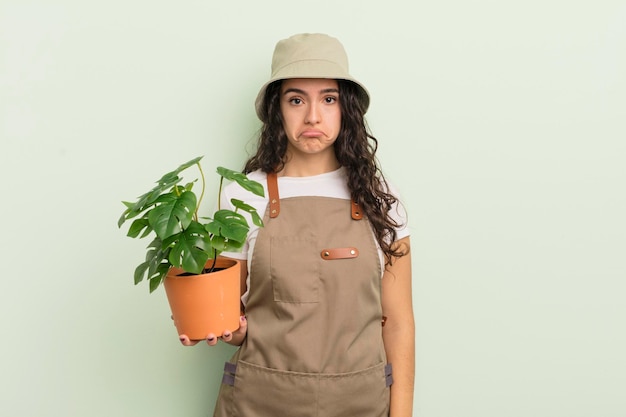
[
  {"x": 274, "y": 199},
  {"x": 356, "y": 211},
  {"x": 272, "y": 188}
]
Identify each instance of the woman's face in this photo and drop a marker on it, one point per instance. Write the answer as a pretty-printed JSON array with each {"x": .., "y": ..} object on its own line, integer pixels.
[{"x": 311, "y": 114}]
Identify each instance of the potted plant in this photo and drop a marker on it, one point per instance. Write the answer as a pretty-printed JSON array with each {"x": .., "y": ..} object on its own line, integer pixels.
[{"x": 202, "y": 288}]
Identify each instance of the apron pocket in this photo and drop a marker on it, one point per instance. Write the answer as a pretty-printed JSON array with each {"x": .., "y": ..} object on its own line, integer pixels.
[
  {"x": 260, "y": 391},
  {"x": 295, "y": 269},
  {"x": 363, "y": 393}
]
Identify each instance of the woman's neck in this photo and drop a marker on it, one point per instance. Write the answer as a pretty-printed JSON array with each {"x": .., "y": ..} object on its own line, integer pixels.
[{"x": 309, "y": 165}]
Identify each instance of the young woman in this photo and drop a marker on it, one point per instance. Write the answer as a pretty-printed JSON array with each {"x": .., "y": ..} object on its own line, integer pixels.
[{"x": 328, "y": 325}]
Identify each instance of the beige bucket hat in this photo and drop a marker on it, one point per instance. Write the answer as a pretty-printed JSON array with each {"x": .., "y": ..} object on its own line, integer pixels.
[{"x": 310, "y": 55}]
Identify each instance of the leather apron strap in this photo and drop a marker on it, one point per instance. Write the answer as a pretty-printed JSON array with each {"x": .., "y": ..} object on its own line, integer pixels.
[{"x": 274, "y": 199}]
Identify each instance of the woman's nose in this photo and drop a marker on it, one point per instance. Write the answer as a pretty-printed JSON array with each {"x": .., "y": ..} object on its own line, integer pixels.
[{"x": 312, "y": 114}]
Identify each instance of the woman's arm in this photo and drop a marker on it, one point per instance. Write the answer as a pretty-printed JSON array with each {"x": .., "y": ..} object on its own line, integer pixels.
[{"x": 399, "y": 331}]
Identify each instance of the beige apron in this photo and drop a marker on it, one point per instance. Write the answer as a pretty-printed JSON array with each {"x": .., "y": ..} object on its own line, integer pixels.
[{"x": 314, "y": 345}]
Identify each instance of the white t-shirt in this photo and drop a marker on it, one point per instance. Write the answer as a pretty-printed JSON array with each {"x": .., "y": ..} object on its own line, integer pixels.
[{"x": 332, "y": 184}]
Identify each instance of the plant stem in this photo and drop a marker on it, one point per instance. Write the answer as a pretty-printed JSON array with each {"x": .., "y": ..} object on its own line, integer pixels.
[
  {"x": 201, "y": 193},
  {"x": 219, "y": 194},
  {"x": 214, "y": 261}
]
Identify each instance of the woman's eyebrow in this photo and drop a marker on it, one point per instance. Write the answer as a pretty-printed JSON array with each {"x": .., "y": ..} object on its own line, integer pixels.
[{"x": 302, "y": 92}]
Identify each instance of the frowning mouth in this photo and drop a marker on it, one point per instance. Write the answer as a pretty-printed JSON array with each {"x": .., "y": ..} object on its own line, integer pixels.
[{"x": 312, "y": 133}]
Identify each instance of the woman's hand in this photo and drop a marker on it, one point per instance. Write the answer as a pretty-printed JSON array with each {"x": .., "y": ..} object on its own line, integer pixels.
[{"x": 232, "y": 338}]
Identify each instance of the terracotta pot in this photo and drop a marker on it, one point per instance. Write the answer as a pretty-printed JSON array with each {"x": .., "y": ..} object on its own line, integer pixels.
[{"x": 206, "y": 303}]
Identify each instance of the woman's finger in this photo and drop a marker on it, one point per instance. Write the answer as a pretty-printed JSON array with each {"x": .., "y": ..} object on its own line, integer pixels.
[
  {"x": 211, "y": 339},
  {"x": 227, "y": 336},
  {"x": 184, "y": 339}
]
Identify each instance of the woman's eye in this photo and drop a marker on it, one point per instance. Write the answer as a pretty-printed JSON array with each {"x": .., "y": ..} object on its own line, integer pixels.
[
  {"x": 295, "y": 100},
  {"x": 330, "y": 100}
]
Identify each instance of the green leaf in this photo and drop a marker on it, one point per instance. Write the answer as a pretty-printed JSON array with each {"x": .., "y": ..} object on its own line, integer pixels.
[
  {"x": 147, "y": 200},
  {"x": 156, "y": 263},
  {"x": 140, "y": 271},
  {"x": 138, "y": 226},
  {"x": 170, "y": 176},
  {"x": 172, "y": 214},
  {"x": 158, "y": 278},
  {"x": 154, "y": 282},
  {"x": 188, "y": 164},
  {"x": 230, "y": 225},
  {"x": 241, "y": 179},
  {"x": 256, "y": 219},
  {"x": 190, "y": 249},
  {"x": 241, "y": 205},
  {"x": 126, "y": 212},
  {"x": 220, "y": 244}
]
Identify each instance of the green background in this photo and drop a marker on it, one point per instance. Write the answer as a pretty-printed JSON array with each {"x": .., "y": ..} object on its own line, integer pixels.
[{"x": 503, "y": 123}]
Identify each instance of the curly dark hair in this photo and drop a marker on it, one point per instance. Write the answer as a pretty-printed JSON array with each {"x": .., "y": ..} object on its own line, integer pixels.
[{"x": 355, "y": 149}]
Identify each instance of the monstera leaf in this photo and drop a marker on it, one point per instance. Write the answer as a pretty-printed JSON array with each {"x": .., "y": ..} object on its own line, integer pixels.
[
  {"x": 172, "y": 213},
  {"x": 190, "y": 249}
]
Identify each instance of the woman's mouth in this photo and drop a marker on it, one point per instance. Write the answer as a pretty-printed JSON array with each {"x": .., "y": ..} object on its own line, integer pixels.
[{"x": 312, "y": 133}]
